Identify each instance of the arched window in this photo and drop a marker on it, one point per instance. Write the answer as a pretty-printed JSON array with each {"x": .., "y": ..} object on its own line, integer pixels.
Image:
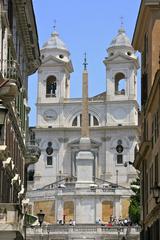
[
  {"x": 92, "y": 120},
  {"x": 95, "y": 121},
  {"x": 75, "y": 121},
  {"x": 51, "y": 86},
  {"x": 120, "y": 84},
  {"x": 119, "y": 149}
]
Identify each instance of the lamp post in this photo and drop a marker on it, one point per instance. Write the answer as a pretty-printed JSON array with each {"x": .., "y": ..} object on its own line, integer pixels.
[
  {"x": 25, "y": 224},
  {"x": 48, "y": 231},
  {"x": 40, "y": 216},
  {"x": 118, "y": 230}
]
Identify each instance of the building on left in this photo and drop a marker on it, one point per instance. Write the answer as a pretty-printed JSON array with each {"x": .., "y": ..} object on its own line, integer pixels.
[{"x": 19, "y": 58}]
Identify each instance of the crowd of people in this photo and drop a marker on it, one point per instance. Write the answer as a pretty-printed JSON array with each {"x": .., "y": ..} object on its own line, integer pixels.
[
  {"x": 115, "y": 222},
  {"x": 71, "y": 222},
  {"x": 112, "y": 222}
]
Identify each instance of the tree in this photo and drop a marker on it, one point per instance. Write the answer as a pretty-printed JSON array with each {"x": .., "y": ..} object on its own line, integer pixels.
[{"x": 134, "y": 208}]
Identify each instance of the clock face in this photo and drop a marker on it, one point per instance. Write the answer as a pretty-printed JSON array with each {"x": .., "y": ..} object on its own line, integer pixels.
[
  {"x": 119, "y": 113},
  {"x": 119, "y": 148},
  {"x": 49, "y": 150},
  {"x": 50, "y": 115}
]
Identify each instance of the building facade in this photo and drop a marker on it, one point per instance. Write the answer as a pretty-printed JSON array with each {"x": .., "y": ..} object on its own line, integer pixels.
[
  {"x": 72, "y": 181},
  {"x": 19, "y": 58},
  {"x": 147, "y": 158}
]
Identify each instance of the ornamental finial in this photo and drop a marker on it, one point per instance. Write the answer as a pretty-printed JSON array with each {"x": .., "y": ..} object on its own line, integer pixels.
[
  {"x": 54, "y": 26},
  {"x": 122, "y": 22}
]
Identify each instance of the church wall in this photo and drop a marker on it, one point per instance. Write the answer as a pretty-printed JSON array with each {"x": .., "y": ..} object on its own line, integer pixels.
[
  {"x": 117, "y": 116},
  {"x": 106, "y": 162},
  {"x": 121, "y": 113}
]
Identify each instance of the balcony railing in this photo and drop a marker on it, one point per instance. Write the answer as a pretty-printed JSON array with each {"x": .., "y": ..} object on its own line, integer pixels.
[
  {"x": 9, "y": 69},
  {"x": 33, "y": 153},
  {"x": 10, "y": 217},
  {"x": 10, "y": 79},
  {"x": 83, "y": 229}
]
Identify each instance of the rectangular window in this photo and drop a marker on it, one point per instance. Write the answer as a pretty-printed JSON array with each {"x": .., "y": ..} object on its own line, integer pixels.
[
  {"x": 155, "y": 128},
  {"x": 119, "y": 159},
  {"x": 157, "y": 123},
  {"x": 49, "y": 161},
  {"x": 150, "y": 179},
  {"x": 156, "y": 170},
  {"x": 10, "y": 14},
  {"x": 144, "y": 88},
  {"x": 152, "y": 134}
]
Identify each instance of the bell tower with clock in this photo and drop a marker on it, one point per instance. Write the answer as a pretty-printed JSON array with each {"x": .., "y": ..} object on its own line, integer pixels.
[{"x": 53, "y": 79}]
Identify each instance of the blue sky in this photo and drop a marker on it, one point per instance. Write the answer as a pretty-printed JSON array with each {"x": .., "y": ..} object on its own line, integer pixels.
[{"x": 85, "y": 26}]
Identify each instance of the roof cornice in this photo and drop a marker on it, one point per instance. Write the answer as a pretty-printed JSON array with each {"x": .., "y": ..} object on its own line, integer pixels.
[{"x": 27, "y": 24}]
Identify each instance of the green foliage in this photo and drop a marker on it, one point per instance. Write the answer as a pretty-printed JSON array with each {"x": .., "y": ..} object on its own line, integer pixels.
[
  {"x": 29, "y": 219},
  {"x": 134, "y": 208}
]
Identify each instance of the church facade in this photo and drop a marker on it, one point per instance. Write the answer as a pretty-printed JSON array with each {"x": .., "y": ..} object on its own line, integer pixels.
[{"x": 85, "y": 186}]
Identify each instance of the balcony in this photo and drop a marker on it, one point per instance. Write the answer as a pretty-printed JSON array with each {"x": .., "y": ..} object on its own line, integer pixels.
[
  {"x": 10, "y": 220},
  {"x": 9, "y": 79},
  {"x": 140, "y": 152},
  {"x": 33, "y": 153},
  {"x": 3, "y": 152}
]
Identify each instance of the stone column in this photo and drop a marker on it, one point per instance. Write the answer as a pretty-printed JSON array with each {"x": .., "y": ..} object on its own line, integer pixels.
[
  {"x": 59, "y": 210},
  {"x": 98, "y": 209},
  {"x": 117, "y": 208}
]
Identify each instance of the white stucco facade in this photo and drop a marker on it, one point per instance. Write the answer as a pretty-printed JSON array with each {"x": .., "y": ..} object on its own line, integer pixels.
[{"x": 113, "y": 120}]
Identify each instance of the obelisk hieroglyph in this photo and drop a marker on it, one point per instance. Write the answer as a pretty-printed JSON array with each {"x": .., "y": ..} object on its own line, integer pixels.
[
  {"x": 85, "y": 157},
  {"x": 85, "y": 140}
]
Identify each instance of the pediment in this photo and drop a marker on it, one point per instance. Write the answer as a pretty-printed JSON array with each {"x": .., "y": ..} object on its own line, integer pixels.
[
  {"x": 52, "y": 60},
  {"x": 120, "y": 58},
  {"x": 76, "y": 142}
]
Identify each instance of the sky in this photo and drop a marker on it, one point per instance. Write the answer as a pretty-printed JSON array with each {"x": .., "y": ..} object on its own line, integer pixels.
[{"x": 84, "y": 26}]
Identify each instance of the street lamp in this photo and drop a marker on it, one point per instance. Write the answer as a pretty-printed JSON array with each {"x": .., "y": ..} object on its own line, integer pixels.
[
  {"x": 118, "y": 230},
  {"x": 156, "y": 193},
  {"x": 40, "y": 216}
]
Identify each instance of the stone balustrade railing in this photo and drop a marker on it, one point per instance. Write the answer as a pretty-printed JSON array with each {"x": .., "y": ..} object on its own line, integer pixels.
[{"x": 83, "y": 228}]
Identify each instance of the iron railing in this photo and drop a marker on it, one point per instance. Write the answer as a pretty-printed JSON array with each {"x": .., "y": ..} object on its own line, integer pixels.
[{"x": 10, "y": 71}]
